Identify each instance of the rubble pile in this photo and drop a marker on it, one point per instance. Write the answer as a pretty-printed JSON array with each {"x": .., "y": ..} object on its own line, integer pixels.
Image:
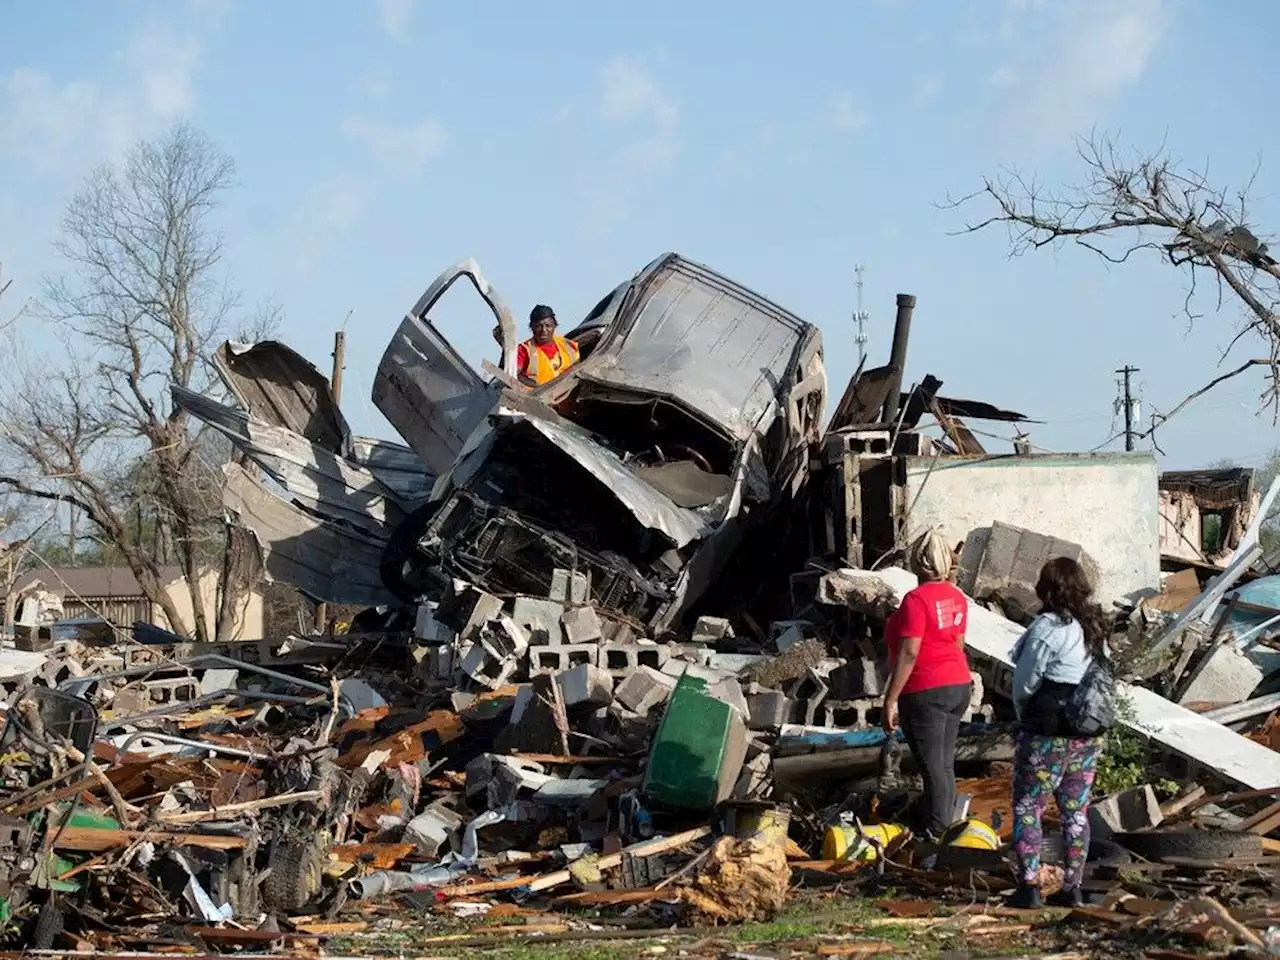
[{"x": 563, "y": 693}]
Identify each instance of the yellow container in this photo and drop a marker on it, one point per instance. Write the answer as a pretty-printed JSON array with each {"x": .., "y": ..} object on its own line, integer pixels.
[
  {"x": 858, "y": 843},
  {"x": 765, "y": 823},
  {"x": 972, "y": 834}
]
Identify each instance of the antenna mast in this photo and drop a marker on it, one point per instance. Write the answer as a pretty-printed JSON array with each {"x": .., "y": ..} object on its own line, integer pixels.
[{"x": 860, "y": 316}]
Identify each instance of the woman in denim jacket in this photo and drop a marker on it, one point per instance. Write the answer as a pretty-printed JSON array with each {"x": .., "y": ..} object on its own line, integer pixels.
[{"x": 1050, "y": 660}]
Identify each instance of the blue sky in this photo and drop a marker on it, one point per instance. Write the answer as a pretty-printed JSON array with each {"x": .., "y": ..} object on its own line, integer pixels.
[{"x": 565, "y": 145}]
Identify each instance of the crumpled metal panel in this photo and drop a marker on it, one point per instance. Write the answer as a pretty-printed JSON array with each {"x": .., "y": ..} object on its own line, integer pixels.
[
  {"x": 396, "y": 467},
  {"x": 323, "y": 560},
  {"x": 324, "y": 482},
  {"x": 433, "y": 397},
  {"x": 703, "y": 340},
  {"x": 651, "y": 508},
  {"x": 282, "y": 388}
]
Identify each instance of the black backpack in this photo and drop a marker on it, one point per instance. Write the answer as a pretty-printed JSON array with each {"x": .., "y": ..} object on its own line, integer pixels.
[{"x": 1091, "y": 707}]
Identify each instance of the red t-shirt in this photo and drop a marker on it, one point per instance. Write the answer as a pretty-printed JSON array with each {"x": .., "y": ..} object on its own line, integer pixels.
[
  {"x": 549, "y": 350},
  {"x": 938, "y": 613}
]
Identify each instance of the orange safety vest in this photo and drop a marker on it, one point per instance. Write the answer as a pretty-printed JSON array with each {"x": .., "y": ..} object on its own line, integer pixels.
[{"x": 543, "y": 369}]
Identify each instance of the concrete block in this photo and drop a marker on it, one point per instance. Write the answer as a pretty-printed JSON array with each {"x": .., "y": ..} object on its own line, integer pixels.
[
  {"x": 866, "y": 679},
  {"x": 622, "y": 658},
  {"x": 175, "y": 690},
  {"x": 581, "y": 625},
  {"x": 495, "y": 656},
  {"x": 729, "y": 691},
  {"x": 768, "y": 710},
  {"x": 678, "y": 668},
  {"x": 847, "y": 714},
  {"x": 540, "y": 619},
  {"x": 545, "y": 660},
  {"x": 1224, "y": 676},
  {"x": 433, "y": 830},
  {"x": 643, "y": 689},
  {"x": 754, "y": 780},
  {"x": 218, "y": 679},
  {"x": 711, "y": 630},
  {"x": 787, "y": 633},
  {"x": 570, "y": 587},
  {"x": 733, "y": 663},
  {"x": 631, "y": 731},
  {"x": 808, "y": 694},
  {"x": 585, "y": 684},
  {"x": 506, "y": 638},
  {"x": 468, "y": 609},
  {"x": 1125, "y": 812},
  {"x": 428, "y": 629}
]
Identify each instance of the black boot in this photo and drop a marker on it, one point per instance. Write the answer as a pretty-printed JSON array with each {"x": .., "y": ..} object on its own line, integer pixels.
[
  {"x": 1026, "y": 897},
  {"x": 1066, "y": 897}
]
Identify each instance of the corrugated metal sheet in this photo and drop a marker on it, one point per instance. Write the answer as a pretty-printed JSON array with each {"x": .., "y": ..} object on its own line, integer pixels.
[
  {"x": 280, "y": 387},
  {"x": 324, "y": 560},
  {"x": 322, "y": 481}
]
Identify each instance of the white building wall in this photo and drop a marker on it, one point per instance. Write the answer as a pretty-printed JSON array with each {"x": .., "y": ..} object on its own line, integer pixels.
[{"x": 1107, "y": 503}]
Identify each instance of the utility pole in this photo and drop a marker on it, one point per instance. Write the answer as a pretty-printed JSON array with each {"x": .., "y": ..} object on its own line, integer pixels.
[
  {"x": 1130, "y": 404},
  {"x": 860, "y": 317},
  {"x": 335, "y": 387}
]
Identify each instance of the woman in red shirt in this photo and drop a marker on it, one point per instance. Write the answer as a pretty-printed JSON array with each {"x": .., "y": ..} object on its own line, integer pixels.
[{"x": 929, "y": 683}]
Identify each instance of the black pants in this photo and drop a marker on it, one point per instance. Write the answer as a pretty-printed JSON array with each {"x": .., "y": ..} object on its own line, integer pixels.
[{"x": 930, "y": 722}]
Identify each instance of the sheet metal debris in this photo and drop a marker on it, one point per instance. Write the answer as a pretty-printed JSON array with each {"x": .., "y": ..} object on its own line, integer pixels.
[{"x": 599, "y": 667}]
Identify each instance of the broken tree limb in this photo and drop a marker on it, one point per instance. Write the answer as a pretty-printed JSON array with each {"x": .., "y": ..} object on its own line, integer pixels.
[{"x": 251, "y": 806}]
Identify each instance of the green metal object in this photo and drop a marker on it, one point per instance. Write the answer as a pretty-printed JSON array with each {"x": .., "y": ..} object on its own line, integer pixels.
[{"x": 698, "y": 752}]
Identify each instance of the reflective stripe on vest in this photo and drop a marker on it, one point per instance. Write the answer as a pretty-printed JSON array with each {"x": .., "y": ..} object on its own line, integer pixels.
[{"x": 543, "y": 369}]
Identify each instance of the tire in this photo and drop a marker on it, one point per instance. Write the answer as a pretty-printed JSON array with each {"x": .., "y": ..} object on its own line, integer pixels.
[
  {"x": 397, "y": 564},
  {"x": 1191, "y": 844},
  {"x": 49, "y": 923},
  {"x": 297, "y": 871},
  {"x": 1100, "y": 851}
]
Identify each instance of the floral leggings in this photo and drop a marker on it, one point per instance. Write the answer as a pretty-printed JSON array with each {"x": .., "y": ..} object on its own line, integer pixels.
[{"x": 1064, "y": 768}]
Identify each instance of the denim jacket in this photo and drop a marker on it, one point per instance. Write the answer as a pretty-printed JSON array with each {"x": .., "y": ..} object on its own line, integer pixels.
[{"x": 1052, "y": 649}]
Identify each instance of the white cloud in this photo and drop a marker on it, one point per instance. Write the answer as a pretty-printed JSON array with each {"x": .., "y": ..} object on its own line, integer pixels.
[
  {"x": 629, "y": 94},
  {"x": 332, "y": 206},
  {"x": 63, "y": 125},
  {"x": 844, "y": 114},
  {"x": 394, "y": 17},
  {"x": 1004, "y": 77},
  {"x": 404, "y": 150},
  {"x": 927, "y": 89},
  {"x": 1086, "y": 55}
]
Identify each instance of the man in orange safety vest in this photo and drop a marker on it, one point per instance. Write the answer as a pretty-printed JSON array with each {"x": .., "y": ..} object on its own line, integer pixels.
[{"x": 545, "y": 355}]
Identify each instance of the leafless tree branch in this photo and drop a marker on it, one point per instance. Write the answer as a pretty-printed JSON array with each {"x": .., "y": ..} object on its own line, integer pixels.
[
  {"x": 141, "y": 306},
  {"x": 1150, "y": 203}
]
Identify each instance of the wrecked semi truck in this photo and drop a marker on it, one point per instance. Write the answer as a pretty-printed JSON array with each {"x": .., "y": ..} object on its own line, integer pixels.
[{"x": 689, "y": 417}]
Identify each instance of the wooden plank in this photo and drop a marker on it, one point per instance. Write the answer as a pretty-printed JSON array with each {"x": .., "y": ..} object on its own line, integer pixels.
[
  {"x": 1264, "y": 821},
  {"x": 97, "y": 839},
  {"x": 647, "y": 848},
  {"x": 1172, "y": 808},
  {"x": 382, "y": 856}
]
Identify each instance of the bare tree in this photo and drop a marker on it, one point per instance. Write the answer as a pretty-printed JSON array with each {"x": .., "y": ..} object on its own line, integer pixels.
[
  {"x": 141, "y": 307},
  {"x": 1151, "y": 203},
  {"x": 8, "y": 321}
]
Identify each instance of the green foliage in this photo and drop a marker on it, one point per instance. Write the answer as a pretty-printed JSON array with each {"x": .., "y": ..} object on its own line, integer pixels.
[{"x": 1127, "y": 759}]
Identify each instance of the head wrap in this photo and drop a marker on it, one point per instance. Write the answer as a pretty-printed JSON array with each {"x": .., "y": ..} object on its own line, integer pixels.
[{"x": 930, "y": 556}]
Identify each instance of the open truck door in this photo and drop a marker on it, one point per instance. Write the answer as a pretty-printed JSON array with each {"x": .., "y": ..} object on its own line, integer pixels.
[{"x": 423, "y": 386}]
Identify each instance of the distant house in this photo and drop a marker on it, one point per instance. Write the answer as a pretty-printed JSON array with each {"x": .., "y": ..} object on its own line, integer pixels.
[{"x": 114, "y": 594}]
